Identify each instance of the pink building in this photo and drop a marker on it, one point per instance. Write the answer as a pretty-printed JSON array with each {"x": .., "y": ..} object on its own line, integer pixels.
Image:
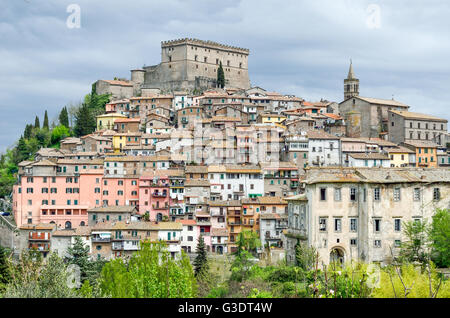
[
  {"x": 154, "y": 196},
  {"x": 61, "y": 200},
  {"x": 44, "y": 196}
]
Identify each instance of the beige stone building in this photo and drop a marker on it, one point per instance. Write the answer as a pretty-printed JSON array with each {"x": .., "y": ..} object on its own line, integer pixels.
[
  {"x": 409, "y": 126},
  {"x": 359, "y": 213}
]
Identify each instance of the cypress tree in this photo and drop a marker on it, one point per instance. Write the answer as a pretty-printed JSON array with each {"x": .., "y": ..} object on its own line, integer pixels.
[
  {"x": 45, "y": 124},
  {"x": 64, "y": 117},
  {"x": 220, "y": 76},
  {"x": 84, "y": 121},
  {"x": 201, "y": 260},
  {"x": 22, "y": 152},
  {"x": 28, "y": 131},
  {"x": 36, "y": 122}
]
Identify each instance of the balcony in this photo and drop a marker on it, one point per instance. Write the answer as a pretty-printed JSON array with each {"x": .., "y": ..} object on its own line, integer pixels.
[
  {"x": 282, "y": 225},
  {"x": 234, "y": 223},
  {"x": 97, "y": 239},
  {"x": 41, "y": 237},
  {"x": 156, "y": 207},
  {"x": 159, "y": 194}
]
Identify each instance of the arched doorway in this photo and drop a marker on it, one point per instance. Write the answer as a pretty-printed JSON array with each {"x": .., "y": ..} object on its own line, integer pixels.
[
  {"x": 68, "y": 225},
  {"x": 337, "y": 255},
  {"x": 219, "y": 249},
  {"x": 82, "y": 223},
  {"x": 159, "y": 217}
]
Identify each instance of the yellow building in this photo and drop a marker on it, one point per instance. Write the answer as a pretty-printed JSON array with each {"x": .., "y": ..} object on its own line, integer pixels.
[
  {"x": 106, "y": 121},
  {"x": 126, "y": 139},
  {"x": 401, "y": 157},
  {"x": 271, "y": 118},
  {"x": 426, "y": 152}
]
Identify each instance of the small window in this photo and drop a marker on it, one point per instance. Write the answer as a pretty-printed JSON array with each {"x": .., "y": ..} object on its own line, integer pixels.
[
  {"x": 322, "y": 224},
  {"x": 436, "y": 194},
  {"x": 353, "y": 225},
  {"x": 323, "y": 194},
  {"x": 416, "y": 194},
  {"x": 337, "y": 194},
  {"x": 396, "y": 194},
  {"x": 353, "y": 242},
  {"x": 376, "y": 194},
  {"x": 377, "y": 225},
  {"x": 397, "y": 225},
  {"x": 377, "y": 243},
  {"x": 352, "y": 194},
  {"x": 338, "y": 225},
  {"x": 397, "y": 243}
]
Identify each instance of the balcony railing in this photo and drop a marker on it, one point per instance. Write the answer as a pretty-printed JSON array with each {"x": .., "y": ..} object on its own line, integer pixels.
[
  {"x": 101, "y": 239},
  {"x": 159, "y": 194},
  {"x": 160, "y": 207}
]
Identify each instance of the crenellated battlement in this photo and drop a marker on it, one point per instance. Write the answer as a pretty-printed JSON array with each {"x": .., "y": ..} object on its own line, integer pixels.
[{"x": 208, "y": 44}]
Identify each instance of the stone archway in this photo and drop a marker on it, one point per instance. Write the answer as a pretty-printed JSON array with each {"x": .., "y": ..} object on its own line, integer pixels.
[{"x": 337, "y": 254}]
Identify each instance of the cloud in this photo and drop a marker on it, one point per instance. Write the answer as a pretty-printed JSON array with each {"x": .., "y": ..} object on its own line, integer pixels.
[{"x": 296, "y": 47}]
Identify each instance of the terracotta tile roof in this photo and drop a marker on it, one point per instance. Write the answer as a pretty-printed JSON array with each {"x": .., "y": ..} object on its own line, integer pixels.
[
  {"x": 270, "y": 216},
  {"x": 399, "y": 149},
  {"x": 381, "y": 101},
  {"x": 219, "y": 232},
  {"x": 128, "y": 120},
  {"x": 421, "y": 144},
  {"x": 318, "y": 134},
  {"x": 197, "y": 183},
  {"x": 68, "y": 233},
  {"x": 369, "y": 156},
  {"x": 332, "y": 116},
  {"x": 187, "y": 222},
  {"x": 418, "y": 116},
  {"x": 196, "y": 169}
]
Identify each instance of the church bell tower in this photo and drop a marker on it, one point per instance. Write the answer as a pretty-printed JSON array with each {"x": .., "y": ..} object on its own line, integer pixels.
[{"x": 351, "y": 84}]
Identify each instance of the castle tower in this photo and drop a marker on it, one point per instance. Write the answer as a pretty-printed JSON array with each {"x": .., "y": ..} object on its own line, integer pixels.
[{"x": 351, "y": 84}]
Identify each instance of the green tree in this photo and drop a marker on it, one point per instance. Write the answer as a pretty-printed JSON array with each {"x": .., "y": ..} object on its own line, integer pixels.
[
  {"x": 150, "y": 273},
  {"x": 85, "y": 122},
  {"x": 59, "y": 133},
  {"x": 220, "y": 76},
  {"x": 36, "y": 122},
  {"x": 64, "y": 117},
  {"x": 4, "y": 271},
  {"x": 248, "y": 241},
  {"x": 440, "y": 238},
  {"x": 22, "y": 151},
  {"x": 305, "y": 256},
  {"x": 45, "y": 124},
  {"x": 31, "y": 277},
  {"x": 201, "y": 260},
  {"x": 416, "y": 248},
  {"x": 28, "y": 132},
  {"x": 78, "y": 254},
  {"x": 43, "y": 137}
]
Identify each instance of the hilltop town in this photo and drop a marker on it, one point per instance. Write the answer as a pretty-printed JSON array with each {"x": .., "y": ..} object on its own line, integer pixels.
[{"x": 176, "y": 156}]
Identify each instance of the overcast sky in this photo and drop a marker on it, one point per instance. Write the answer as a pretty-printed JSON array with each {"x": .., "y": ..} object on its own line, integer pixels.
[{"x": 399, "y": 48}]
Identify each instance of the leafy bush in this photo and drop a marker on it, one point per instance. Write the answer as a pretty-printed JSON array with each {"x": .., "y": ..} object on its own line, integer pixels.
[{"x": 411, "y": 283}]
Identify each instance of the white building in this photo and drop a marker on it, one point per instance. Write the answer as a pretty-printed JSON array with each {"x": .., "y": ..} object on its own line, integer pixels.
[
  {"x": 323, "y": 149},
  {"x": 189, "y": 235},
  {"x": 370, "y": 160},
  {"x": 236, "y": 181},
  {"x": 271, "y": 226}
]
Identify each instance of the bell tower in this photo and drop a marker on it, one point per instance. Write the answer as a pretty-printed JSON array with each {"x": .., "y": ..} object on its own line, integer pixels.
[{"x": 351, "y": 84}]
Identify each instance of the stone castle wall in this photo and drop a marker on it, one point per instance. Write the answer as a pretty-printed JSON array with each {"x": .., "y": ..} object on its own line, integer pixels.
[{"x": 190, "y": 64}]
